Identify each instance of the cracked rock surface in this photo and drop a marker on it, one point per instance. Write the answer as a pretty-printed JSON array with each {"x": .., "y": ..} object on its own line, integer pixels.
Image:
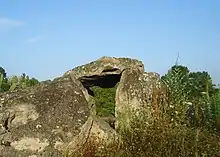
[{"x": 40, "y": 120}]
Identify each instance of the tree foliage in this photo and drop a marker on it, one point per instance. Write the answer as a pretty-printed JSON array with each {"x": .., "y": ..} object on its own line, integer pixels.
[
  {"x": 2, "y": 71},
  {"x": 15, "y": 82},
  {"x": 192, "y": 93},
  {"x": 104, "y": 100}
]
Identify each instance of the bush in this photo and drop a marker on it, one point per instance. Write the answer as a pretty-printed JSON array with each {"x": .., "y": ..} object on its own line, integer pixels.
[{"x": 104, "y": 100}]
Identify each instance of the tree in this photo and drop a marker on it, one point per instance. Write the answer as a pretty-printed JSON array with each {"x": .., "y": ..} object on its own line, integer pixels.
[
  {"x": 176, "y": 81},
  {"x": 196, "y": 83},
  {"x": 33, "y": 82},
  {"x": 201, "y": 83},
  {"x": 3, "y": 80},
  {"x": 21, "y": 82},
  {"x": 2, "y": 71},
  {"x": 194, "y": 88},
  {"x": 177, "y": 75}
]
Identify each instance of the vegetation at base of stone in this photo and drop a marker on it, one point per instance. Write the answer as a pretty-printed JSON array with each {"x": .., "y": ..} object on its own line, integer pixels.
[
  {"x": 187, "y": 124},
  {"x": 104, "y": 100},
  {"x": 15, "y": 82},
  {"x": 162, "y": 139},
  {"x": 167, "y": 139}
]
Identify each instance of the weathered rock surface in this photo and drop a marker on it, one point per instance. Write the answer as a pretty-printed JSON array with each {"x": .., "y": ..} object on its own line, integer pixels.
[
  {"x": 95, "y": 129},
  {"x": 136, "y": 91},
  {"x": 38, "y": 121},
  {"x": 104, "y": 66},
  {"x": 104, "y": 72},
  {"x": 59, "y": 115}
]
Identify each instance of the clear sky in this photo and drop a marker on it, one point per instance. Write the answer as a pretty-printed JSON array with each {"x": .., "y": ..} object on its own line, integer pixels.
[{"x": 45, "y": 38}]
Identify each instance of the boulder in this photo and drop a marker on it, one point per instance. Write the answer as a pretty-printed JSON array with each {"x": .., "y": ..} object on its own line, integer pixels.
[{"x": 38, "y": 121}]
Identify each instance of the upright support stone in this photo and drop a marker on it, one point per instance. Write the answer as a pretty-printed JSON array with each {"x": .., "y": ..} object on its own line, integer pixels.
[{"x": 135, "y": 92}]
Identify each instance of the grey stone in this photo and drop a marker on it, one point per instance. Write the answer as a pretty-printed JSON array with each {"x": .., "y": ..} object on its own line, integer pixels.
[{"x": 34, "y": 121}]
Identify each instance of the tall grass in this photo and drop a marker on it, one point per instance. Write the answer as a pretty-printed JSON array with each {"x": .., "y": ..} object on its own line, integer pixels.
[{"x": 161, "y": 139}]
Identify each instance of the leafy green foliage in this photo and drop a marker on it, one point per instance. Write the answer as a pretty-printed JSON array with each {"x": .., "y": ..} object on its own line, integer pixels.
[
  {"x": 199, "y": 82},
  {"x": 176, "y": 81},
  {"x": 104, "y": 100},
  {"x": 4, "y": 86},
  {"x": 215, "y": 99},
  {"x": 2, "y": 71},
  {"x": 215, "y": 108},
  {"x": 21, "y": 82},
  {"x": 1, "y": 80},
  {"x": 194, "y": 84},
  {"x": 190, "y": 92},
  {"x": 15, "y": 82}
]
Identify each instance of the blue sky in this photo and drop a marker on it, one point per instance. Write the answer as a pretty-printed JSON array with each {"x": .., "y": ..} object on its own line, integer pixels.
[{"x": 45, "y": 38}]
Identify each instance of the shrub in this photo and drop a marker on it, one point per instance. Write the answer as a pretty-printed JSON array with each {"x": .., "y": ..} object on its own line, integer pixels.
[{"x": 104, "y": 100}]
